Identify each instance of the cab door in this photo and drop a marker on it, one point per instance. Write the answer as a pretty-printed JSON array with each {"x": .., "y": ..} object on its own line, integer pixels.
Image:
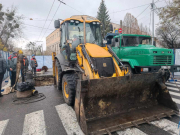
[
  {"x": 116, "y": 45},
  {"x": 121, "y": 48}
]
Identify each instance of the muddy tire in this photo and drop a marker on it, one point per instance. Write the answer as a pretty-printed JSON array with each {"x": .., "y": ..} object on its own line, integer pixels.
[
  {"x": 167, "y": 75},
  {"x": 58, "y": 72},
  {"x": 69, "y": 88},
  {"x": 129, "y": 70}
]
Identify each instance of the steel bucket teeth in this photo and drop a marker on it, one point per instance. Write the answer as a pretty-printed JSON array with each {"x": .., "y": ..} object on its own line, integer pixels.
[{"x": 121, "y": 102}]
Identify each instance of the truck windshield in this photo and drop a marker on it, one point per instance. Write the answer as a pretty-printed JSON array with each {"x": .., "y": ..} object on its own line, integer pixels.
[
  {"x": 135, "y": 41},
  {"x": 76, "y": 33}
]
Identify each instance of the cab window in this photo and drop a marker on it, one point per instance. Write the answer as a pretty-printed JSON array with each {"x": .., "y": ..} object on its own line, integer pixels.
[{"x": 116, "y": 42}]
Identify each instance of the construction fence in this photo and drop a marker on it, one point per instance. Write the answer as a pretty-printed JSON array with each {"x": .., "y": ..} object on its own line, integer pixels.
[
  {"x": 41, "y": 60},
  {"x": 5, "y": 55},
  {"x": 47, "y": 61},
  {"x": 177, "y": 60}
]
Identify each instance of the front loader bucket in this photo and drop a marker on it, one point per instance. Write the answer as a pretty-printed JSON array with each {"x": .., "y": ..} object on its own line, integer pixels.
[{"x": 110, "y": 104}]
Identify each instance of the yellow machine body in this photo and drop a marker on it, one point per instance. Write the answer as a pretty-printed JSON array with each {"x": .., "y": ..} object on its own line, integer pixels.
[
  {"x": 96, "y": 52},
  {"x": 109, "y": 101}
]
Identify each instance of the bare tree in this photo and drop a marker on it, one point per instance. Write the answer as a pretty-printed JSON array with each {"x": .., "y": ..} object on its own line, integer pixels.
[
  {"x": 169, "y": 35},
  {"x": 34, "y": 48},
  {"x": 131, "y": 24},
  {"x": 170, "y": 13},
  {"x": 10, "y": 25}
]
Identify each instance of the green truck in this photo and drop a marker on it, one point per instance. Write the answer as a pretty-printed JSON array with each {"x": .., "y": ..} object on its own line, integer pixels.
[{"x": 138, "y": 54}]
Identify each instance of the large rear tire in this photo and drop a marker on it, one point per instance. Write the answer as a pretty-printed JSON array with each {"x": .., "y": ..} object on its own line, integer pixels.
[
  {"x": 58, "y": 72},
  {"x": 69, "y": 88},
  {"x": 129, "y": 70}
]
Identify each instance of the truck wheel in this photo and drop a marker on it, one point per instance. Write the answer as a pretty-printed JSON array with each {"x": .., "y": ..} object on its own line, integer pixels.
[
  {"x": 129, "y": 70},
  {"x": 58, "y": 71},
  {"x": 69, "y": 88},
  {"x": 167, "y": 76}
]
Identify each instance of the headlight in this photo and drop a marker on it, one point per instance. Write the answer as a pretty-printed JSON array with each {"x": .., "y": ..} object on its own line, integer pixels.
[
  {"x": 154, "y": 51},
  {"x": 166, "y": 67},
  {"x": 169, "y": 51},
  {"x": 178, "y": 69},
  {"x": 94, "y": 23},
  {"x": 144, "y": 69}
]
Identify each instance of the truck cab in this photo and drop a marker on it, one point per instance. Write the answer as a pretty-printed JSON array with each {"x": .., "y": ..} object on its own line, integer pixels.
[{"x": 138, "y": 53}]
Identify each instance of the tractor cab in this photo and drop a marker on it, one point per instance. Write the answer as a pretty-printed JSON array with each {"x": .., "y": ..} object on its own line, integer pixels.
[{"x": 72, "y": 34}]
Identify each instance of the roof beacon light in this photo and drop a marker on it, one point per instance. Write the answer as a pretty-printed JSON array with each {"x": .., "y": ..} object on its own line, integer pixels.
[
  {"x": 71, "y": 21},
  {"x": 77, "y": 22}
]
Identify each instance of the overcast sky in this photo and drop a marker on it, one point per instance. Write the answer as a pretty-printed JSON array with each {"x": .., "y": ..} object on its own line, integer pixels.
[{"x": 39, "y": 9}]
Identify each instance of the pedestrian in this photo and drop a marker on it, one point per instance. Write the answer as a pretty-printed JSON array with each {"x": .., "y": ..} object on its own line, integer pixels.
[
  {"x": 26, "y": 62},
  {"x": 34, "y": 64},
  {"x": 13, "y": 69},
  {"x": 20, "y": 53},
  {"x": 8, "y": 65},
  {"x": 3, "y": 67},
  {"x": 25, "y": 67}
]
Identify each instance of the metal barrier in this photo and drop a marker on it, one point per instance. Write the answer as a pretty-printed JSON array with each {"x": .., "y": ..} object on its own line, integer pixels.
[
  {"x": 42, "y": 61},
  {"x": 5, "y": 55},
  {"x": 177, "y": 59}
]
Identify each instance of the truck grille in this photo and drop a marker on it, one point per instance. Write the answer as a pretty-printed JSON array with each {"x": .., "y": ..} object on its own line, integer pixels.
[{"x": 162, "y": 60}]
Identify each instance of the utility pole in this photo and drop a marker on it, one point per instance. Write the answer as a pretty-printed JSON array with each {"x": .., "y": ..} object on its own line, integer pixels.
[
  {"x": 152, "y": 7},
  {"x": 121, "y": 25}
]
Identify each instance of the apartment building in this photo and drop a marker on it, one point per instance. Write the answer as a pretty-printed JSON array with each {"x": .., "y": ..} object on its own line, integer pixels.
[{"x": 52, "y": 41}]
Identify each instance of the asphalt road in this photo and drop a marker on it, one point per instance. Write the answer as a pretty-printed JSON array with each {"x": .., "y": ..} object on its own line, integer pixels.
[
  {"x": 16, "y": 113},
  {"x": 52, "y": 116}
]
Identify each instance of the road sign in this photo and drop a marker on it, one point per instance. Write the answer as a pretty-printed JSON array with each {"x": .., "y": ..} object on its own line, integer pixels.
[
  {"x": 120, "y": 30},
  {"x": 116, "y": 30}
]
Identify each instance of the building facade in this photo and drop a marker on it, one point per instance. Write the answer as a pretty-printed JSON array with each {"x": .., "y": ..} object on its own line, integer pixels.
[{"x": 53, "y": 41}]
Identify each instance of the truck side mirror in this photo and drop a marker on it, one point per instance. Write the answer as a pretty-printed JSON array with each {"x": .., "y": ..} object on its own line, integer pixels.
[
  {"x": 57, "y": 24},
  {"x": 154, "y": 43},
  {"x": 111, "y": 27}
]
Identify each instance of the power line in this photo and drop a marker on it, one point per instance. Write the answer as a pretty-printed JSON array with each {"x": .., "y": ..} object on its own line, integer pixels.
[
  {"x": 143, "y": 17},
  {"x": 35, "y": 26},
  {"x": 70, "y": 6},
  {"x": 46, "y": 19},
  {"x": 159, "y": 1},
  {"x": 134, "y": 7},
  {"x": 142, "y": 11},
  {"x": 38, "y": 20},
  {"x": 129, "y": 8},
  {"x": 52, "y": 19},
  {"x": 75, "y": 9}
]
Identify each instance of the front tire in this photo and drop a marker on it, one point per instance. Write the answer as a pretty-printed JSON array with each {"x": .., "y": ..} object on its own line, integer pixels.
[
  {"x": 58, "y": 72},
  {"x": 129, "y": 70},
  {"x": 69, "y": 88}
]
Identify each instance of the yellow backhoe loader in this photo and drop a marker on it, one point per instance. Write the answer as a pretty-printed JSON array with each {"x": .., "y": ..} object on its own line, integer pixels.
[{"x": 93, "y": 81}]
